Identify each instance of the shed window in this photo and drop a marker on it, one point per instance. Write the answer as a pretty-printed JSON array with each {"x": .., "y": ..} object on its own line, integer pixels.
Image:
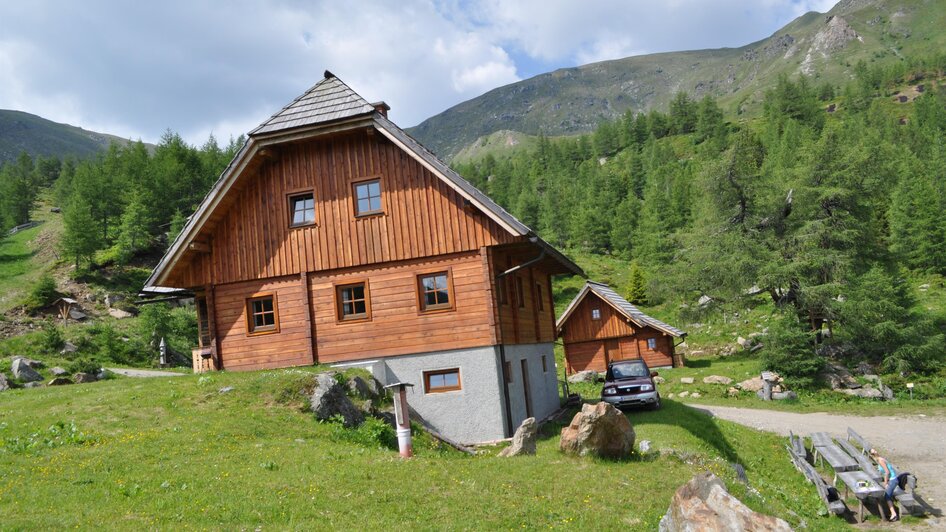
[
  {"x": 445, "y": 380},
  {"x": 651, "y": 343},
  {"x": 368, "y": 197},
  {"x": 261, "y": 314},
  {"x": 302, "y": 207},
  {"x": 353, "y": 302},
  {"x": 434, "y": 291},
  {"x": 596, "y": 313}
]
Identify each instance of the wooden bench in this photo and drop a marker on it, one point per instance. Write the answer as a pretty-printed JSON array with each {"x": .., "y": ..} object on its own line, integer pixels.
[
  {"x": 904, "y": 499},
  {"x": 864, "y": 445},
  {"x": 829, "y": 497},
  {"x": 862, "y": 461}
]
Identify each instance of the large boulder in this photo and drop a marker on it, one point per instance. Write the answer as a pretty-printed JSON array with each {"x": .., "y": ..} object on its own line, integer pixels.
[
  {"x": 328, "y": 400},
  {"x": 4, "y": 385},
  {"x": 867, "y": 392},
  {"x": 838, "y": 377},
  {"x": 584, "y": 376},
  {"x": 717, "y": 379},
  {"x": 523, "y": 442},
  {"x": 751, "y": 385},
  {"x": 35, "y": 364},
  {"x": 22, "y": 371},
  {"x": 83, "y": 378},
  {"x": 119, "y": 314},
  {"x": 58, "y": 372},
  {"x": 361, "y": 388},
  {"x": 703, "y": 504},
  {"x": 599, "y": 429}
]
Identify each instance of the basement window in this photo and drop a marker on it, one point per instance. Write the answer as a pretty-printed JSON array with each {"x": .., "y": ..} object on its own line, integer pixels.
[
  {"x": 262, "y": 316},
  {"x": 302, "y": 207},
  {"x": 444, "y": 380}
]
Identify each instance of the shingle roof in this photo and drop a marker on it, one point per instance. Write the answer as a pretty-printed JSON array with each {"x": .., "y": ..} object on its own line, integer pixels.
[
  {"x": 329, "y": 99},
  {"x": 622, "y": 305}
]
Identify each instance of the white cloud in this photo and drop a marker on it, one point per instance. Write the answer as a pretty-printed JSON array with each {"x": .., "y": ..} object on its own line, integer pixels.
[{"x": 136, "y": 68}]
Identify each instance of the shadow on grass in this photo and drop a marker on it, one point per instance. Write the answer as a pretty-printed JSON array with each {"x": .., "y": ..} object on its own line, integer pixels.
[
  {"x": 698, "y": 363},
  {"x": 695, "y": 421},
  {"x": 15, "y": 257}
]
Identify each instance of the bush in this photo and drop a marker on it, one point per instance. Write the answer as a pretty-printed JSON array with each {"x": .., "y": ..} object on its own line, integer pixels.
[
  {"x": 52, "y": 339},
  {"x": 83, "y": 365},
  {"x": 43, "y": 293},
  {"x": 372, "y": 433},
  {"x": 789, "y": 351}
]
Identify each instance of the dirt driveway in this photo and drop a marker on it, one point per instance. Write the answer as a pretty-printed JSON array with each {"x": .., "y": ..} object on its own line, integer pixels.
[{"x": 915, "y": 443}]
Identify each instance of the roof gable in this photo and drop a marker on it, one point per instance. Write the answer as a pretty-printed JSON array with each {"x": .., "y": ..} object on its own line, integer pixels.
[
  {"x": 328, "y": 100},
  {"x": 623, "y": 306},
  {"x": 331, "y": 105}
]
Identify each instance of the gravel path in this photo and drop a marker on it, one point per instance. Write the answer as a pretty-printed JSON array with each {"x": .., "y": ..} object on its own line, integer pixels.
[
  {"x": 915, "y": 443},
  {"x": 145, "y": 373}
]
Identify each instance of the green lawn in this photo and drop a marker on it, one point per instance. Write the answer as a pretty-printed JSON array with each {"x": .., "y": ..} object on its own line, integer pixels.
[{"x": 176, "y": 453}]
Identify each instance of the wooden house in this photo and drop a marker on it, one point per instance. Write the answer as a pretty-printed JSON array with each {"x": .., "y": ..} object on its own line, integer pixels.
[
  {"x": 333, "y": 237},
  {"x": 599, "y": 326}
]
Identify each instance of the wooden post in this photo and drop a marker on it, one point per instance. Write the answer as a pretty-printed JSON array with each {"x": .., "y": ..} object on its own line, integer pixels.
[{"x": 309, "y": 334}]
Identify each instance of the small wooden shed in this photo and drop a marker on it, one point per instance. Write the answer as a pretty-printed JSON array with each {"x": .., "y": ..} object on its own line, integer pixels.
[{"x": 599, "y": 326}]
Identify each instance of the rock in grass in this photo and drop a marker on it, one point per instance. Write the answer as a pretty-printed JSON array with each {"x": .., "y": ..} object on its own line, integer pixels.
[
  {"x": 717, "y": 379},
  {"x": 68, "y": 348},
  {"x": 584, "y": 376},
  {"x": 83, "y": 378},
  {"x": 58, "y": 372},
  {"x": 704, "y": 504},
  {"x": 659, "y": 380},
  {"x": 751, "y": 385},
  {"x": 35, "y": 364},
  {"x": 60, "y": 381},
  {"x": 686, "y": 380},
  {"x": 4, "y": 385},
  {"x": 22, "y": 371},
  {"x": 684, "y": 394},
  {"x": 523, "y": 442},
  {"x": 328, "y": 400},
  {"x": 360, "y": 387},
  {"x": 599, "y": 429},
  {"x": 33, "y": 384}
]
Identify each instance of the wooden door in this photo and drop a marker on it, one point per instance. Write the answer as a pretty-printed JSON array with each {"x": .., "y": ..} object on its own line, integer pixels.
[
  {"x": 612, "y": 351},
  {"x": 525, "y": 386}
]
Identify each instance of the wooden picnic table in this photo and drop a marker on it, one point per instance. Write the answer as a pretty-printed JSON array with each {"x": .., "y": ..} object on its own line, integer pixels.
[
  {"x": 862, "y": 486},
  {"x": 821, "y": 439},
  {"x": 825, "y": 448}
]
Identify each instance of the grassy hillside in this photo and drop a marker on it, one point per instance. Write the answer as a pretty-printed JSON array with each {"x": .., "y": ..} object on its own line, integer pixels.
[
  {"x": 177, "y": 453},
  {"x": 36, "y": 136},
  {"x": 575, "y": 100}
]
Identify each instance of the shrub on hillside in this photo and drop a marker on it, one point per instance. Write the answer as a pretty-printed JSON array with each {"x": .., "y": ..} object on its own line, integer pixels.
[
  {"x": 52, "y": 339},
  {"x": 789, "y": 351},
  {"x": 84, "y": 365},
  {"x": 43, "y": 293}
]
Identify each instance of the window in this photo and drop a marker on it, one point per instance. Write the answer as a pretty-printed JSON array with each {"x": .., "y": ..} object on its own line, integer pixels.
[
  {"x": 352, "y": 301},
  {"x": 520, "y": 294},
  {"x": 368, "y": 197},
  {"x": 545, "y": 367},
  {"x": 261, "y": 315},
  {"x": 596, "y": 313},
  {"x": 434, "y": 291},
  {"x": 302, "y": 207},
  {"x": 538, "y": 296},
  {"x": 651, "y": 343},
  {"x": 444, "y": 380}
]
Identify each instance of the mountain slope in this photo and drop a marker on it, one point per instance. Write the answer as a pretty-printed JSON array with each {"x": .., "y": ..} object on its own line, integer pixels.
[
  {"x": 574, "y": 100},
  {"x": 35, "y": 135}
]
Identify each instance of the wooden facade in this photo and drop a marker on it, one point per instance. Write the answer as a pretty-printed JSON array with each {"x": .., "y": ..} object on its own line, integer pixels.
[
  {"x": 599, "y": 327},
  {"x": 244, "y": 247}
]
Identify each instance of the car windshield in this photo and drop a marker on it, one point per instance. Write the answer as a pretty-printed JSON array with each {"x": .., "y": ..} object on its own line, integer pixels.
[{"x": 628, "y": 371}]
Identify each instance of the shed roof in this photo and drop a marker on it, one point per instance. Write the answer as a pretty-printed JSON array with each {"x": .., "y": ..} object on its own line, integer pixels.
[
  {"x": 620, "y": 304},
  {"x": 330, "y": 103}
]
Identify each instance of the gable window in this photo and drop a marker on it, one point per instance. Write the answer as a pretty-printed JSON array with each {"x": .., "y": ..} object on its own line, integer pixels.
[
  {"x": 444, "y": 380},
  {"x": 352, "y": 301},
  {"x": 651, "y": 343},
  {"x": 302, "y": 207},
  {"x": 596, "y": 313},
  {"x": 262, "y": 315},
  {"x": 538, "y": 296},
  {"x": 520, "y": 294},
  {"x": 368, "y": 197},
  {"x": 434, "y": 291}
]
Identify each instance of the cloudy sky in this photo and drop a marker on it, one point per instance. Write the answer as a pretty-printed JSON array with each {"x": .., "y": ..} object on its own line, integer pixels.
[{"x": 136, "y": 69}]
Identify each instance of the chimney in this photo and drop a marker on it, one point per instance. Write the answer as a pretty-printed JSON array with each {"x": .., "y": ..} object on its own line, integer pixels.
[{"x": 382, "y": 108}]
